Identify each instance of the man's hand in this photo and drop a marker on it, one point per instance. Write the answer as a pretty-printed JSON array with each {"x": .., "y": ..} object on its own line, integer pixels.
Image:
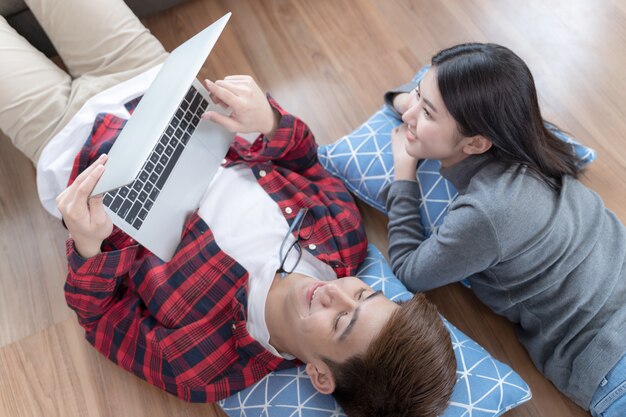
[
  {"x": 404, "y": 165},
  {"x": 251, "y": 112},
  {"x": 85, "y": 218}
]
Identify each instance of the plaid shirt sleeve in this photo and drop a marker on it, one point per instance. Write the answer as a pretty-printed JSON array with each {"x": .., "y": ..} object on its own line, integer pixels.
[
  {"x": 292, "y": 145},
  {"x": 93, "y": 285}
]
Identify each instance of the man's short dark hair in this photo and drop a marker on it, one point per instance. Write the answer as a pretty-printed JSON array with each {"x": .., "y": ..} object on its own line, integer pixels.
[{"x": 408, "y": 370}]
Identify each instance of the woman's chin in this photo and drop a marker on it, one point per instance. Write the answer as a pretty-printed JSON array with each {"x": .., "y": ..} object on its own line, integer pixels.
[{"x": 409, "y": 148}]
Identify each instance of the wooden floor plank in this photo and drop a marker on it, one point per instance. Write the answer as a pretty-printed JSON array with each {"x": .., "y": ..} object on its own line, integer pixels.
[
  {"x": 57, "y": 373},
  {"x": 32, "y": 264}
]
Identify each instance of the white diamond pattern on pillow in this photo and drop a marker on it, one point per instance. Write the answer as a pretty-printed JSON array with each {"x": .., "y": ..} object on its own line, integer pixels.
[
  {"x": 484, "y": 388},
  {"x": 371, "y": 142},
  {"x": 363, "y": 162}
]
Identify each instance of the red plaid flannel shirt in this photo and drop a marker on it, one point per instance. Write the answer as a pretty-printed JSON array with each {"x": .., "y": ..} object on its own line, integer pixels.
[{"x": 181, "y": 325}]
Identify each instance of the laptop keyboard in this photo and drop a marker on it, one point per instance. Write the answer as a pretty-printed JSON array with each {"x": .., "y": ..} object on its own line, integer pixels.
[{"x": 133, "y": 202}]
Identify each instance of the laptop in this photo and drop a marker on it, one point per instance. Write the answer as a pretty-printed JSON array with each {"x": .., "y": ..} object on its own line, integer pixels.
[{"x": 165, "y": 157}]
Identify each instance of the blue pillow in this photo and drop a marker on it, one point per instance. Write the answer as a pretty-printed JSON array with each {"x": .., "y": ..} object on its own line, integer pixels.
[
  {"x": 363, "y": 160},
  {"x": 485, "y": 387}
]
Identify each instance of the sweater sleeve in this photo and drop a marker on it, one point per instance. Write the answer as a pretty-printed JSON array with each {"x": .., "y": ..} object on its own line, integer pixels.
[
  {"x": 466, "y": 242},
  {"x": 391, "y": 94}
]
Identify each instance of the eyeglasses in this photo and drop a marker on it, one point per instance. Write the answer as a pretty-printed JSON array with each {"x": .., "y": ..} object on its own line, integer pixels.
[{"x": 287, "y": 266}]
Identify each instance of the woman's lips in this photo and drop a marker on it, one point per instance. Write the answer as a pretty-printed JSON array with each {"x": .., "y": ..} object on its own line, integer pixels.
[{"x": 410, "y": 136}]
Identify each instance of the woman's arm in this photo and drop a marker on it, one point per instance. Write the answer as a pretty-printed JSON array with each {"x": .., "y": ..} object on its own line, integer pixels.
[{"x": 466, "y": 243}]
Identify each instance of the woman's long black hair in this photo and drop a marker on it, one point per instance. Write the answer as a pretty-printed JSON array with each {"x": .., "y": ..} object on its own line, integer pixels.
[{"x": 490, "y": 91}]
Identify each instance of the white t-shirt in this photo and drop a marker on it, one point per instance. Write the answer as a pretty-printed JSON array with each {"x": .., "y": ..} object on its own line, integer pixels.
[
  {"x": 247, "y": 224},
  {"x": 250, "y": 228}
]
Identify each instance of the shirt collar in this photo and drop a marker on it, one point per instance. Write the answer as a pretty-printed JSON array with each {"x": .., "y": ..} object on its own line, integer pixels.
[{"x": 461, "y": 173}]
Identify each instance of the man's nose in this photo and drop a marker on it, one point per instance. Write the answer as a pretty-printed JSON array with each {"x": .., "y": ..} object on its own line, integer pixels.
[{"x": 339, "y": 298}]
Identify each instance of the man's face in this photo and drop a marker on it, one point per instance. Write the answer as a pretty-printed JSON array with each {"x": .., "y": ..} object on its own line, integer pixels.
[{"x": 335, "y": 320}]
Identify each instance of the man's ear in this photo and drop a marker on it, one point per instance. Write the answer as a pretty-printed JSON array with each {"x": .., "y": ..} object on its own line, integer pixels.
[
  {"x": 475, "y": 145},
  {"x": 321, "y": 377}
]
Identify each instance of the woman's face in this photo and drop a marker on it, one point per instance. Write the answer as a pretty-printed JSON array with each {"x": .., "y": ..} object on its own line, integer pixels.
[{"x": 432, "y": 131}]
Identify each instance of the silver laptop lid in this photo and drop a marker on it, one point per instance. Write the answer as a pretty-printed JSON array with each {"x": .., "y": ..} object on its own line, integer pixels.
[{"x": 154, "y": 111}]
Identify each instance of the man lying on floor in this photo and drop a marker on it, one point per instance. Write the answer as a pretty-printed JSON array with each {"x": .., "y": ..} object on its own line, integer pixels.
[{"x": 227, "y": 309}]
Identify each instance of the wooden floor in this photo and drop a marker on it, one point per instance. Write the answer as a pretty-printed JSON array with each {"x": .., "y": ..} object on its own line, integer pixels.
[{"x": 328, "y": 61}]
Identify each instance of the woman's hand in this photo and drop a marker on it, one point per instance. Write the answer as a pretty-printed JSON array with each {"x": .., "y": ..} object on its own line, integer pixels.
[
  {"x": 85, "y": 218},
  {"x": 251, "y": 112},
  {"x": 404, "y": 165}
]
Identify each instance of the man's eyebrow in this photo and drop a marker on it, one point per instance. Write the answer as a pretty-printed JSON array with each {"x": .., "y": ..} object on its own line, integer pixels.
[
  {"x": 355, "y": 317},
  {"x": 419, "y": 83}
]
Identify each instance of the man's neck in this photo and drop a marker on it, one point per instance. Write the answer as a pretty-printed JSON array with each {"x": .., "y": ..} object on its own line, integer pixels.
[
  {"x": 273, "y": 314},
  {"x": 279, "y": 326}
]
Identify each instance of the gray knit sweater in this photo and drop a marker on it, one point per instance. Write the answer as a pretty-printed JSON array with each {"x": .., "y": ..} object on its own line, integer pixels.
[{"x": 554, "y": 264}]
